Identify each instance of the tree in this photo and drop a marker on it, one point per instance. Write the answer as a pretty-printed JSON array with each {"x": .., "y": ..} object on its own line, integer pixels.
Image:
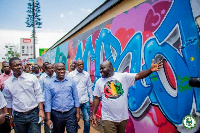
[
  {"x": 33, "y": 19},
  {"x": 11, "y": 51}
]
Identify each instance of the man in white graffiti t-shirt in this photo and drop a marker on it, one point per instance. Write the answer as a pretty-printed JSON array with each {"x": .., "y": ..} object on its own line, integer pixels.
[{"x": 113, "y": 88}]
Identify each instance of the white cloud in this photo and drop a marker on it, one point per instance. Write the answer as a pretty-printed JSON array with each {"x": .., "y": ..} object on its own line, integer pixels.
[
  {"x": 62, "y": 15},
  {"x": 89, "y": 10},
  {"x": 45, "y": 39},
  {"x": 71, "y": 13},
  {"x": 86, "y": 10}
]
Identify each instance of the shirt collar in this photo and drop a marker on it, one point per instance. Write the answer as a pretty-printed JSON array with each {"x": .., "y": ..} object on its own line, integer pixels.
[
  {"x": 56, "y": 80},
  {"x": 3, "y": 74},
  {"x": 46, "y": 75},
  {"x": 22, "y": 75},
  {"x": 76, "y": 72}
]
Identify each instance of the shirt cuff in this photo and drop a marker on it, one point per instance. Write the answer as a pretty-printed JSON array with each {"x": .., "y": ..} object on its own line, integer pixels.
[
  {"x": 47, "y": 109},
  {"x": 40, "y": 100},
  {"x": 77, "y": 104},
  {"x": 9, "y": 105},
  {"x": 91, "y": 98}
]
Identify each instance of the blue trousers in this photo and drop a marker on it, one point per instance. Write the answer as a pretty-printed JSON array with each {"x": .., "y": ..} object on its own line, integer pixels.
[
  {"x": 27, "y": 122},
  {"x": 67, "y": 119},
  {"x": 85, "y": 108}
]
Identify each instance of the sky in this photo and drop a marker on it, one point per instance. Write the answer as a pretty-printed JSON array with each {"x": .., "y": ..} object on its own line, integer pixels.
[{"x": 58, "y": 18}]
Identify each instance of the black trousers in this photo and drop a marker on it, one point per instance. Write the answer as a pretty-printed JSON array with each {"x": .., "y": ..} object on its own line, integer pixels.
[{"x": 5, "y": 127}]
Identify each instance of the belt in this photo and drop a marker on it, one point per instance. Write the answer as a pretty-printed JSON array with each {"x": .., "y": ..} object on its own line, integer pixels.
[
  {"x": 60, "y": 111},
  {"x": 27, "y": 112}
]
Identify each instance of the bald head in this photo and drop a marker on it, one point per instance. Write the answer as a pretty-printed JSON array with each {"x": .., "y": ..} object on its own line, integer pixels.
[
  {"x": 78, "y": 61},
  {"x": 107, "y": 63},
  {"x": 58, "y": 64}
]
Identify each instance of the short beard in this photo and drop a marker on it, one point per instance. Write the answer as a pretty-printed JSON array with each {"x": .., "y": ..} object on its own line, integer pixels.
[{"x": 7, "y": 72}]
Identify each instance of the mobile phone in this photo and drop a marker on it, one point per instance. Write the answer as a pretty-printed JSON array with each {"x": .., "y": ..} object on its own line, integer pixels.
[
  {"x": 7, "y": 116},
  {"x": 51, "y": 125},
  {"x": 40, "y": 120}
]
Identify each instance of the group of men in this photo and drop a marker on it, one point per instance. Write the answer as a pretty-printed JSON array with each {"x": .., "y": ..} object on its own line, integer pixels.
[{"x": 61, "y": 96}]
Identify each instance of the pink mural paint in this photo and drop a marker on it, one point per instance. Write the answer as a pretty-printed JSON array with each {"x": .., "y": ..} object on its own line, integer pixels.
[
  {"x": 155, "y": 15},
  {"x": 84, "y": 43},
  {"x": 144, "y": 124},
  {"x": 153, "y": 121},
  {"x": 124, "y": 36},
  {"x": 94, "y": 37},
  {"x": 146, "y": 35},
  {"x": 92, "y": 71},
  {"x": 71, "y": 54},
  {"x": 127, "y": 23}
]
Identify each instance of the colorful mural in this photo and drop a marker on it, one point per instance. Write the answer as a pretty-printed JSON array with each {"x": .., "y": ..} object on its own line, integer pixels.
[{"x": 165, "y": 30}]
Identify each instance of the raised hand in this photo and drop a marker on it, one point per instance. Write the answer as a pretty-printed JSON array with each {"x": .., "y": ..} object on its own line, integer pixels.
[{"x": 156, "y": 66}]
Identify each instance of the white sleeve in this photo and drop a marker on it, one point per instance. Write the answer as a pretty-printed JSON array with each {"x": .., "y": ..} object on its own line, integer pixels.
[
  {"x": 97, "y": 89},
  {"x": 2, "y": 101},
  {"x": 130, "y": 78},
  {"x": 70, "y": 75},
  {"x": 38, "y": 91},
  {"x": 8, "y": 96},
  {"x": 41, "y": 81},
  {"x": 89, "y": 87}
]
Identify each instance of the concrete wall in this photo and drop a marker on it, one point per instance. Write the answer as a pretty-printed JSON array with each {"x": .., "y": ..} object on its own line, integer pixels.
[{"x": 130, "y": 35}]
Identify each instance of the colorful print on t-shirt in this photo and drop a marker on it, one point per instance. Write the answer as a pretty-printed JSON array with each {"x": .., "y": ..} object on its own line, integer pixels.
[{"x": 113, "y": 89}]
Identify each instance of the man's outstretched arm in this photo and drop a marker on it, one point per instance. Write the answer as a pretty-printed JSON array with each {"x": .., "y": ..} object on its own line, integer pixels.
[{"x": 154, "y": 67}]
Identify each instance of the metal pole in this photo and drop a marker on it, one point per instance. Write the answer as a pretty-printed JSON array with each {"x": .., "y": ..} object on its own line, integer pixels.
[{"x": 34, "y": 56}]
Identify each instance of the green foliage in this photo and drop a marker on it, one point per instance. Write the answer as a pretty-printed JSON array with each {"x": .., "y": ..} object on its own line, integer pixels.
[{"x": 11, "y": 51}]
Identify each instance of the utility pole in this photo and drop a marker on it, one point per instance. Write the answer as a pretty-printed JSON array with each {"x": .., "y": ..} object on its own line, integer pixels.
[
  {"x": 34, "y": 52},
  {"x": 33, "y": 20}
]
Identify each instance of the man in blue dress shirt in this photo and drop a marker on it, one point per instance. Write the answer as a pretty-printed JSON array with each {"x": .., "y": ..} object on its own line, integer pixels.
[{"x": 61, "y": 102}]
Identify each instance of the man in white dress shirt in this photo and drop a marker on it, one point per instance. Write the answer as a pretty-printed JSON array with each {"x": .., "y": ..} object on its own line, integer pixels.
[
  {"x": 84, "y": 87},
  {"x": 23, "y": 94}
]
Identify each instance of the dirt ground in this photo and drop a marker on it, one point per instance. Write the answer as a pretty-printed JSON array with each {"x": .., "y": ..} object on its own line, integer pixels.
[{"x": 81, "y": 124}]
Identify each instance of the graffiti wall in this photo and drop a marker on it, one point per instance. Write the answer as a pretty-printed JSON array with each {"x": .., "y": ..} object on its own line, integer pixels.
[{"x": 165, "y": 30}]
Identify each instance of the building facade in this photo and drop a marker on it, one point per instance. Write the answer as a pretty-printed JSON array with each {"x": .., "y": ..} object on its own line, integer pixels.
[{"x": 130, "y": 34}]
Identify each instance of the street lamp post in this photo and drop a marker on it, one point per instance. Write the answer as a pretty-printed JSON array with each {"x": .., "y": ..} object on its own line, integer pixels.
[{"x": 34, "y": 20}]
